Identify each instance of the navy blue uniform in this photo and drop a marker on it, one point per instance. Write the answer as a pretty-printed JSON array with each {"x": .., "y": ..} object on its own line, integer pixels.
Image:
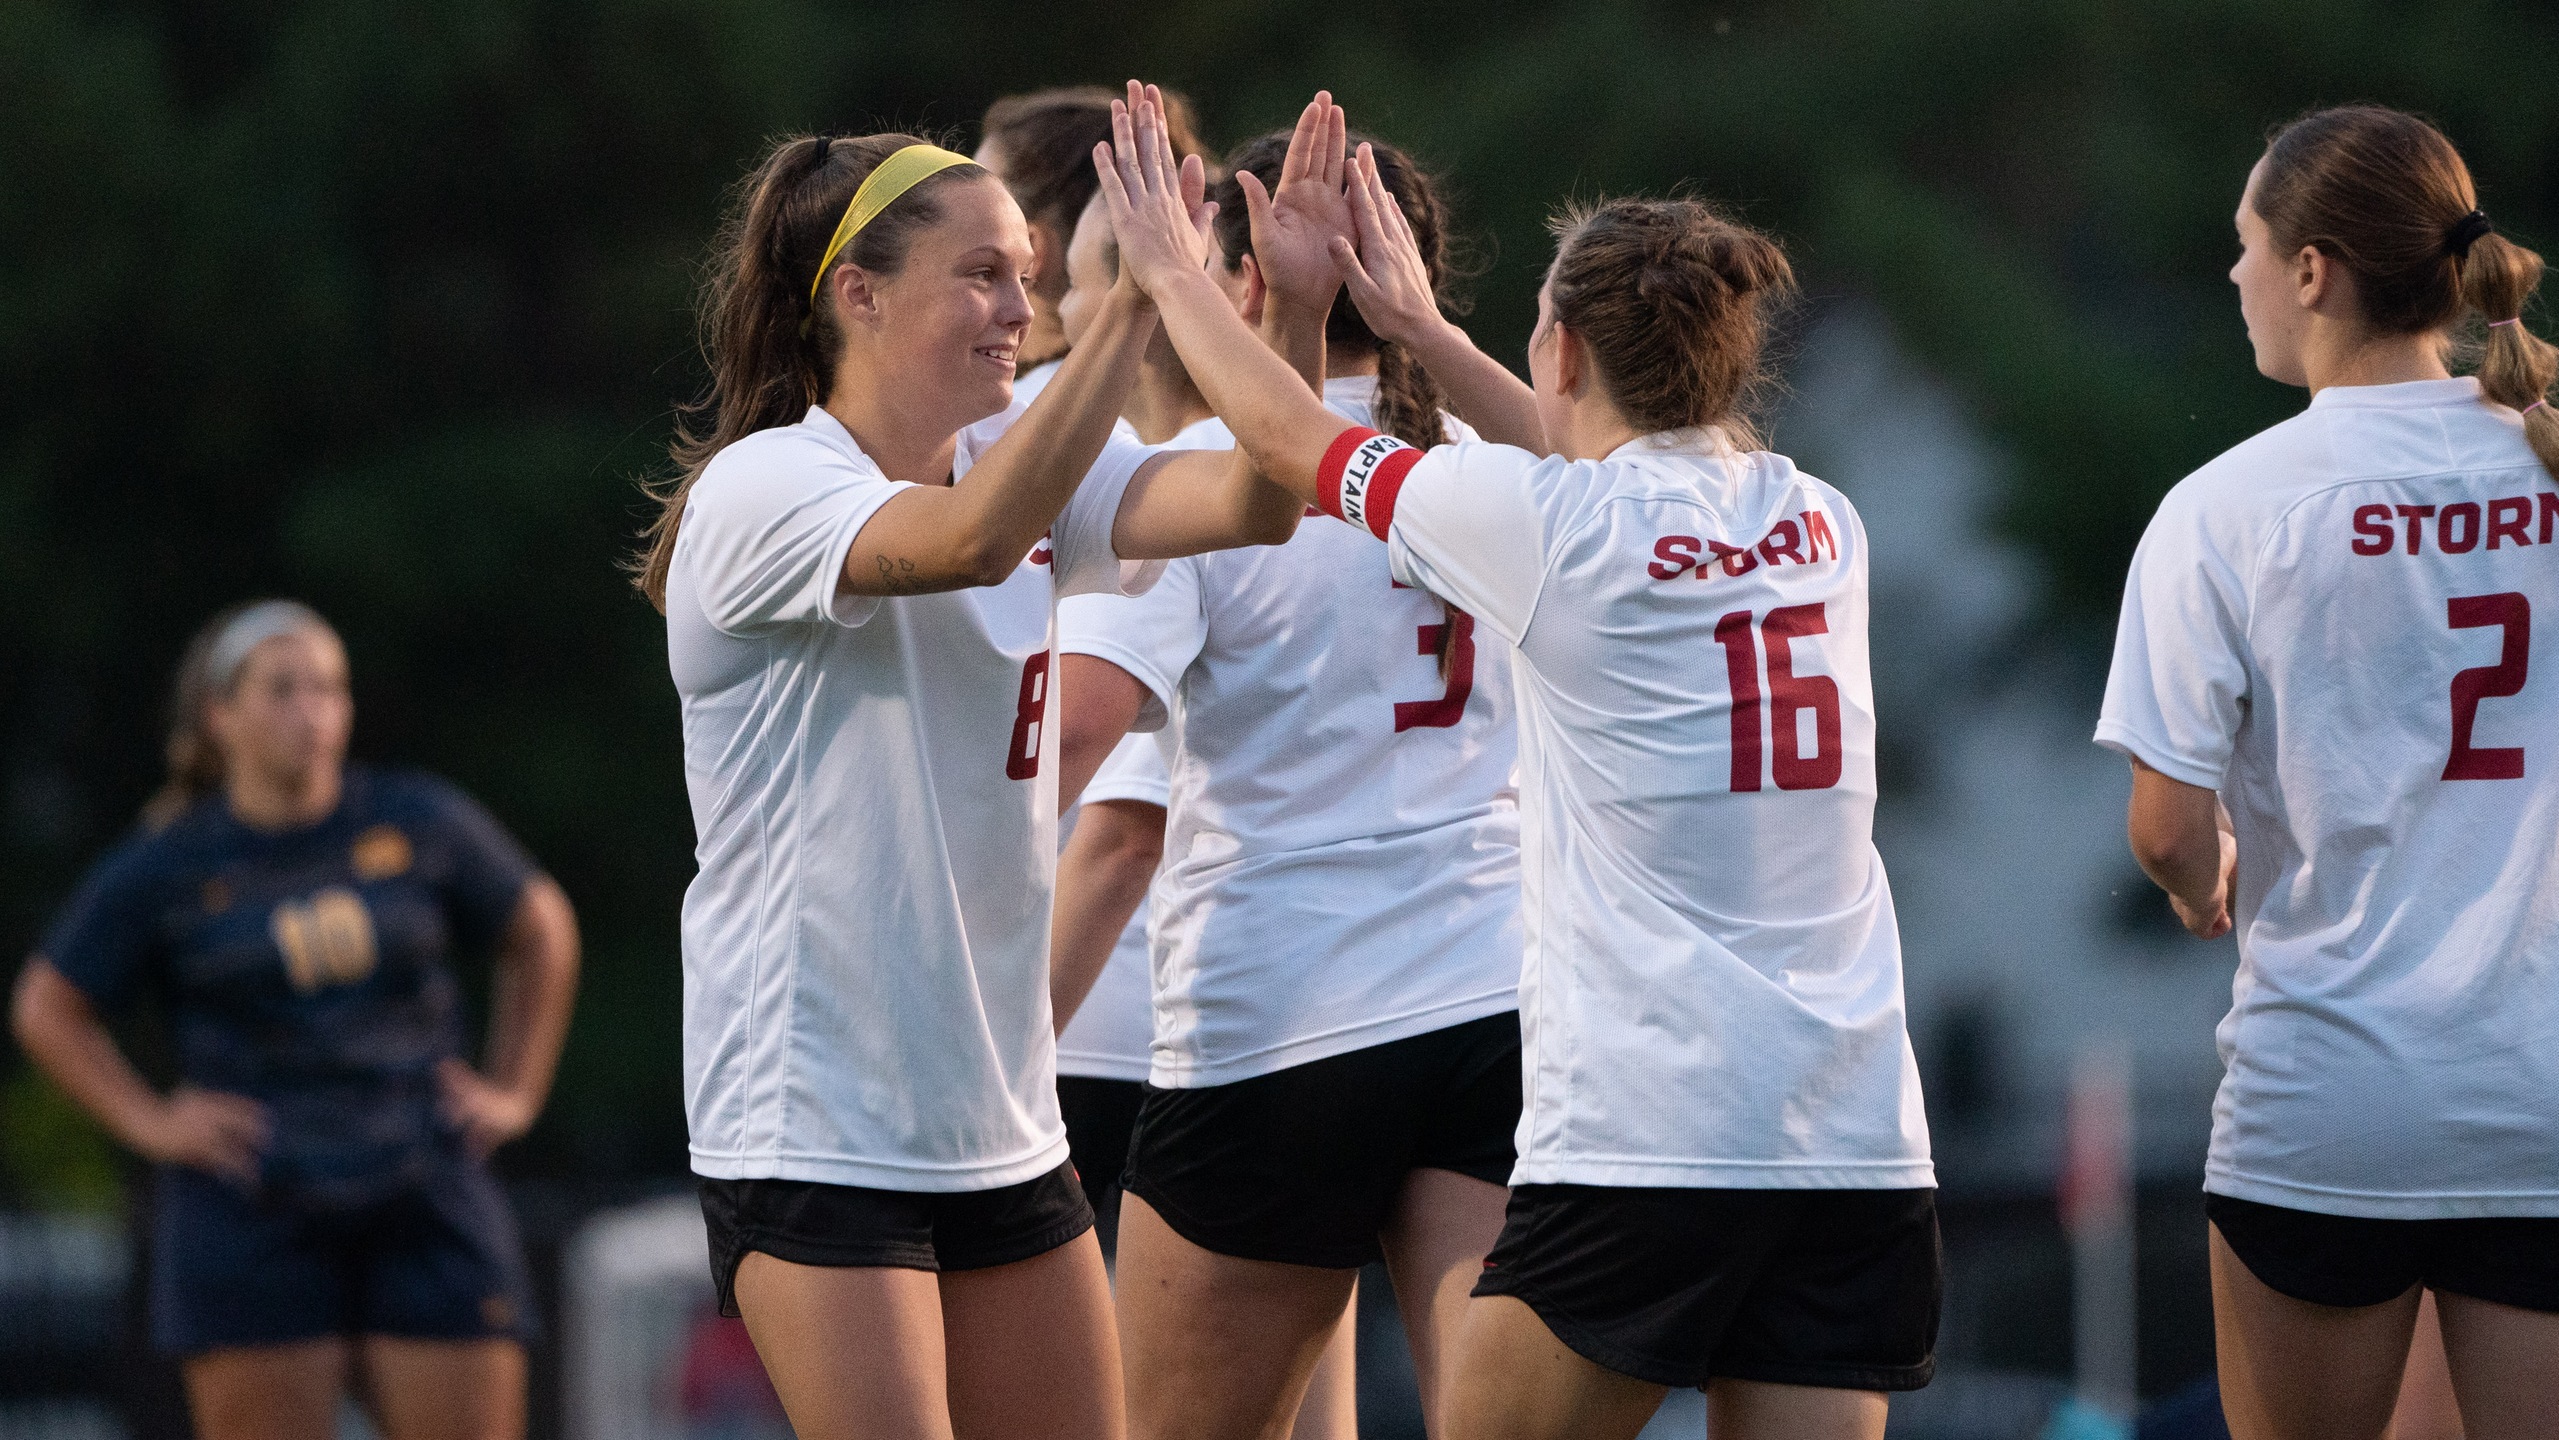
[{"x": 308, "y": 971}]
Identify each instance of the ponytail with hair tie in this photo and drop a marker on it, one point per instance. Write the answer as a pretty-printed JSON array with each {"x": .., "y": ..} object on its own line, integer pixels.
[
  {"x": 2517, "y": 367},
  {"x": 2466, "y": 232},
  {"x": 2386, "y": 195}
]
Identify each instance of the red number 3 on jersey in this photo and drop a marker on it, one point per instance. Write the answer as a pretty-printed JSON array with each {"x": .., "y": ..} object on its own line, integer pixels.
[{"x": 1450, "y": 707}]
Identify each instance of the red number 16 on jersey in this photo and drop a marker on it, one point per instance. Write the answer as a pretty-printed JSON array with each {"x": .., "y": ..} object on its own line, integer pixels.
[{"x": 1789, "y": 696}]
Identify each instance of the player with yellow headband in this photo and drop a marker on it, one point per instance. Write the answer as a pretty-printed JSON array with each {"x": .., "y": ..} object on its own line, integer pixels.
[{"x": 858, "y": 564}]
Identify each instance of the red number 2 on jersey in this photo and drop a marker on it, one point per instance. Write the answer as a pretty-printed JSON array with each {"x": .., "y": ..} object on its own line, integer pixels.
[
  {"x": 1450, "y": 707},
  {"x": 1789, "y": 695},
  {"x": 1022, "y": 761},
  {"x": 2512, "y": 613}
]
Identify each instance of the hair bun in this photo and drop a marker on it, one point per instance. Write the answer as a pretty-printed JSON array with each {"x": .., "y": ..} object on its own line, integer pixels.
[{"x": 1671, "y": 297}]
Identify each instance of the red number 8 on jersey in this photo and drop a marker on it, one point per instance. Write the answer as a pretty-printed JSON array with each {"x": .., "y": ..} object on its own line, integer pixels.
[{"x": 1022, "y": 758}]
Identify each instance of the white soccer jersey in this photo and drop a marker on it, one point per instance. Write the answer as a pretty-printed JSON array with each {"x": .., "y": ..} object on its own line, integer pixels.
[
  {"x": 1341, "y": 856},
  {"x": 2332, "y": 625},
  {"x": 1112, "y": 1030},
  {"x": 1712, "y": 994},
  {"x": 1109, "y": 1037},
  {"x": 874, "y": 795}
]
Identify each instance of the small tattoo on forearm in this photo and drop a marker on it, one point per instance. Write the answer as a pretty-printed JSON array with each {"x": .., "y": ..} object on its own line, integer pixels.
[{"x": 898, "y": 577}]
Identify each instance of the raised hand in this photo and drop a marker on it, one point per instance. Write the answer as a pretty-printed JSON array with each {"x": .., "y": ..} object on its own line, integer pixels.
[
  {"x": 1296, "y": 225},
  {"x": 1384, "y": 271},
  {"x": 1158, "y": 213}
]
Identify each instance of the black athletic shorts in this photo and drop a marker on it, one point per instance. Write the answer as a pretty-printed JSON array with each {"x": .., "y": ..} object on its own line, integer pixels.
[
  {"x": 2348, "y": 1260},
  {"x": 1303, "y": 1165},
  {"x": 1100, "y": 1116},
  {"x": 809, "y": 1223},
  {"x": 1834, "y": 1288}
]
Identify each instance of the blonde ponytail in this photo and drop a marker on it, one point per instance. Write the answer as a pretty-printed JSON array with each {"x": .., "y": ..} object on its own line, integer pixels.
[{"x": 2497, "y": 277}]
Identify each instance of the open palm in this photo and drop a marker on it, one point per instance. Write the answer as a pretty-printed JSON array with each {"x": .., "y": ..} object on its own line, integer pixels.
[
  {"x": 1389, "y": 281},
  {"x": 1296, "y": 222},
  {"x": 1157, "y": 213}
]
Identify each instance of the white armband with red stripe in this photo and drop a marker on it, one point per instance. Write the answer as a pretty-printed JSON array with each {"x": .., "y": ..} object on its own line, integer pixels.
[{"x": 1357, "y": 479}]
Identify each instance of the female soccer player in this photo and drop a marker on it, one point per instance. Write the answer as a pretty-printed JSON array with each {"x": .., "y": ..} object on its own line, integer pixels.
[
  {"x": 861, "y": 653},
  {"x": 2324, "y": 681},
  {"x": 1326, "y": 1057},
  {"x": 324, "y": 1202},
  {"x": 1041, "y": 146},
  {"x": 1336, "y": 1073},
  {"x": 1723, "y": 1175}
]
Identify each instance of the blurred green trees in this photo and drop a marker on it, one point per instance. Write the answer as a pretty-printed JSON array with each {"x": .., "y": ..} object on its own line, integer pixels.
[{"x": 383, "y": 305}]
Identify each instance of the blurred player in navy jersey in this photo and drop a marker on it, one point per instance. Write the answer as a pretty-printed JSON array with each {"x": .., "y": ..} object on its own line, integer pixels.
[{"x": 324, "y": 1204}]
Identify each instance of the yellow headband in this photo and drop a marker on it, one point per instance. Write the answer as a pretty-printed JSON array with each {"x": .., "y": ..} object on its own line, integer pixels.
[{"x": 888, "y": 180}]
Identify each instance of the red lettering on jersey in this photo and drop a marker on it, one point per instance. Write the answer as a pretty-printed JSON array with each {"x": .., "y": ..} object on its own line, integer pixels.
[
  {"x": 1784, "y": 540},
  {"x": 2414, "y": 514},
  {"x": 2513, "y": 614},
  {"x": 1030, "y": 709},
  {"x": 2507, "y": 517},
  {"x": 1741, "y": 674},
  {"x": 1450, "y": 707},
  {"x": 2372, "y": 530},
  {"x": 2549, "y": 512},
  {"x": 1672, "y": 556},
  {"x": 2468, "y": 513},
  {"x": 1817, "y": 534},
  {"x": 1044, "y": 553},
  {"x": 1736, "y": 562},
  {"x": 1789, "y": 694}
]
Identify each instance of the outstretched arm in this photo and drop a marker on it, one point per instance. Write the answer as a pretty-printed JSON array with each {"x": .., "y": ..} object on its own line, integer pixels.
[
  {"x": 1207, "y": 500},
  {"x": 1276, "y": 416},
  {"x": 976, "y": 531},
  {"x": 1392, "y": 288}
]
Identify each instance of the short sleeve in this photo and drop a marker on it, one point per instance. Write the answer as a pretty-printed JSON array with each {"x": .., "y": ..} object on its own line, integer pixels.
[
  {"x": 766, "y": 529},
  {"x": 1134, "y": 770},
  {"x": 2176, "y": 691},
  {"x": 1467, "y": 526},
  {"x": 1081, "y": 540},
  {"x": 103, "y": 940},
  {"x": 481, "y": 870},
  {"x": 1154, "y": 636}
]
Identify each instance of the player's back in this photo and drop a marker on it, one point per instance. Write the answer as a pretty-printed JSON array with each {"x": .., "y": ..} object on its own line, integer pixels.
[
  {"x": 2347, "y": 600},
  {"x": 1699, "y": 654},
  {"x": 1712, "y": 987}
]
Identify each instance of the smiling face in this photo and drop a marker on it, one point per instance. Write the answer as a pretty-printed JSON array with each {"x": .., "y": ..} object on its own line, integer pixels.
[
  {"x": 288, "y": 713},
  {"x": 947, "y": 326},
  {"x": 2270, "y": 291}
]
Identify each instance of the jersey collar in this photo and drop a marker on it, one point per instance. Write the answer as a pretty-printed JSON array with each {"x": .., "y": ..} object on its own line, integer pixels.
[
  {"x": 823, "y": 423},
  {"x": 1704, "y": 442},
  {"x": 2406, "y": 395}
]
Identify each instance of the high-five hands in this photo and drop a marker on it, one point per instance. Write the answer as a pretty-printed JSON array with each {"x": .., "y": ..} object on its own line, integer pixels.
[
  {"x": 1158, "y": 211},
  {"x": 1296, "y": 225},
  {"x": 1384, "y": 271}
]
